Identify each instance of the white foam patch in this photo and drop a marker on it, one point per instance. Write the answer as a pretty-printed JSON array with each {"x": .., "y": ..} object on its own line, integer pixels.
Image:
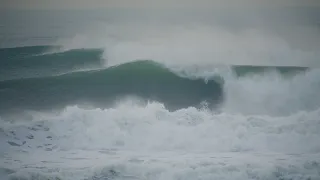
[
  {"x": 145, "y": 139},
  {"x": 272, "y": 94},
  {"x": 169, "y": 165},
  {"x": 153, "y": 128}
]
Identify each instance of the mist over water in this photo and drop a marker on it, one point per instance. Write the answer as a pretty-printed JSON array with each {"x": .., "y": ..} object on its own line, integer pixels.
[
  {"x": 258, "y": 67},
  {"x": 201, "y": 43}
]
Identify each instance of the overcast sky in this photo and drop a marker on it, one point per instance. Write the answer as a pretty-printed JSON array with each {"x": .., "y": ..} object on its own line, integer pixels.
[{"x": 89, "y": 4}]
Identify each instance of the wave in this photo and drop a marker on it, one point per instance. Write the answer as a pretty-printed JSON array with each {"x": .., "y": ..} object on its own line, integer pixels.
[
  {"x": 43, "y": 77},
  {"x": 38, "y": 61},
  {"x": 144, "y": 79}
]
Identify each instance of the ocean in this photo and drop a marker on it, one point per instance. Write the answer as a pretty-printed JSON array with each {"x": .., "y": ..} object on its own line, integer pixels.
[{"x": 87, "y": 96}]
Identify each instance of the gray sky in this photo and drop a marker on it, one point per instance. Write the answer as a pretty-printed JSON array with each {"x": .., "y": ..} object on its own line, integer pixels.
[{"x": 89, "y": 4}]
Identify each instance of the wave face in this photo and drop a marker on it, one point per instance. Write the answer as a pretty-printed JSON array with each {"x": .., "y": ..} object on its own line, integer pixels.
[
  {"x": 143, "y": 79},
  {"x": 146, "y": 119}
]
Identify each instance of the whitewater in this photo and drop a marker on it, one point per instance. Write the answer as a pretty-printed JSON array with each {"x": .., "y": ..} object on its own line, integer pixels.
[{"x": 129, "y": 102}]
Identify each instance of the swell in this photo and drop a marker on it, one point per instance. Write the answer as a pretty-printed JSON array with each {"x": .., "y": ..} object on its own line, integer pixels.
[
  {"x": 38, "y": 61},
  {"x": 42, "y": 61},
  {"x": 143, "y": 79},
  {"x": 20, "y": 52},
  {"x": 243, "y": 70}
]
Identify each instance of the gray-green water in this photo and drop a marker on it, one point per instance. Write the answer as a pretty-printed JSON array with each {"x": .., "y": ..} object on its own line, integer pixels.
[{"x": 127, "y": 94}]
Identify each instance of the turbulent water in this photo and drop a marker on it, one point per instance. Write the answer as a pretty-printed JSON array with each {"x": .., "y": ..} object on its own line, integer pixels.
[{"x": 67, "y": 115}]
